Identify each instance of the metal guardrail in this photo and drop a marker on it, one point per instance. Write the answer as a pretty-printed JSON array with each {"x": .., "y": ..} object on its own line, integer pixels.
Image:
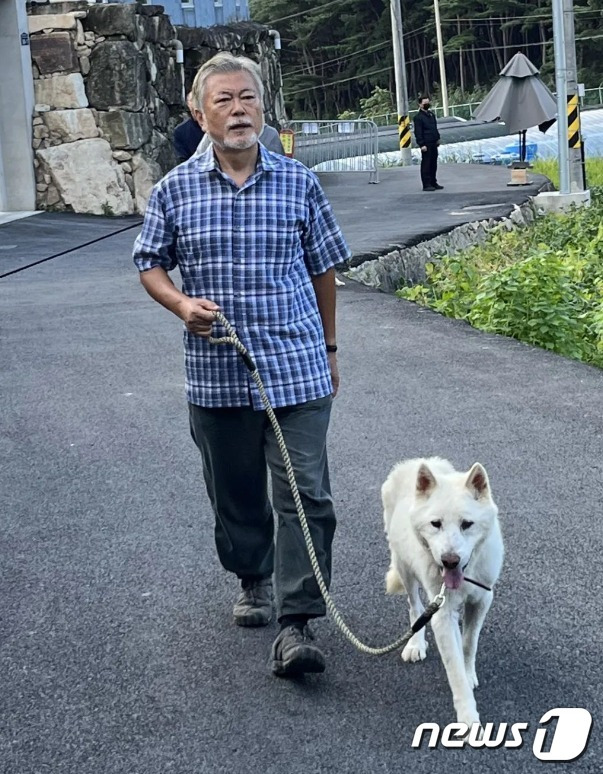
[
  {"x": 592, "y": 98},
  {"x": 338, "y": 146},
  {"x": 463, "y": 110},
  {"x": 353, "y": 145}
]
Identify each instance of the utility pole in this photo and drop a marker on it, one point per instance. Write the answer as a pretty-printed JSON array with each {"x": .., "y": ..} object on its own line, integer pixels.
[
  {"x": 401, "y": 89},
  {"x": 576, "y": 179},
  {"x": 571, "y": 183},
  {"x": 561, "y": 87},
  {"x": 443, "y": 83}
]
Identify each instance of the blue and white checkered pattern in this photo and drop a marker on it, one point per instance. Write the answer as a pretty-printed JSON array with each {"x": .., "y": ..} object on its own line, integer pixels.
[{"x": 252, "y": 251}]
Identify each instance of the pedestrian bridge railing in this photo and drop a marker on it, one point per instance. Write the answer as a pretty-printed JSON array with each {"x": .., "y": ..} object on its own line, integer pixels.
[{"x": 338, "y": 146}]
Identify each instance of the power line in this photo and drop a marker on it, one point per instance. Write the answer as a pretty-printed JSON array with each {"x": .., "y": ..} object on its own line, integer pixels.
[
  {"x": 544, "y": 15},
  {"x": 518, "y": 19},
  {"x": 483, "y": 48},
  {"x": 378, "y": 46},
  {"x": 414, "y": 61},
  {"x": 374, "y": 47},
  {"x": 431, "y": 56},
  {"x": 304, "y": 13},
  {"x": 420, "y": 29},
  {"x": 411, "y": 61},
  {"x": 334, "y": 83},
  {"x": 485, "y": 19}
]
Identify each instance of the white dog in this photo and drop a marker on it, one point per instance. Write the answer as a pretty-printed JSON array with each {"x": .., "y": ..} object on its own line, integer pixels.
[{"x": 442, "y": 527}]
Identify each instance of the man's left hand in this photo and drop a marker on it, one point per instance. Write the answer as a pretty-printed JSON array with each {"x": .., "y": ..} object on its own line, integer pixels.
[{"x": 334, "y": 371}]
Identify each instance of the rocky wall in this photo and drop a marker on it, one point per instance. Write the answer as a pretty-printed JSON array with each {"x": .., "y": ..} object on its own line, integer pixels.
[
  {"x": 109, "y": 93},
  {"x": 242, "y": 39}
]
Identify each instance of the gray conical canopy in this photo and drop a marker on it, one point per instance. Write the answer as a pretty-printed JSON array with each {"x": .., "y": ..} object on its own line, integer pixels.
[
  {"x": 519, "y": 67},
  {"x": 519, "y": 98}
]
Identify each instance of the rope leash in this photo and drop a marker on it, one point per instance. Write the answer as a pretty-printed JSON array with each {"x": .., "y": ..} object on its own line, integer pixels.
[{"x": 429, "y": 611}]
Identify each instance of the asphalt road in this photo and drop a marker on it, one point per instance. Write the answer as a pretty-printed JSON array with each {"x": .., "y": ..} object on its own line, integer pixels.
[
  {"x": 396, "y": 212},
  {"x": 375, "y": 218},
  {"x": 117, "y": 650},
  {"x": 47, "y": 235}
]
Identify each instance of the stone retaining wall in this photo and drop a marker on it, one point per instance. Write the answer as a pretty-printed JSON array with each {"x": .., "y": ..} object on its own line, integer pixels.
[
  {"x": 242, "y": 39},
  {"x": 407, "y": 265},
  {"x": 109, "y": 93}
]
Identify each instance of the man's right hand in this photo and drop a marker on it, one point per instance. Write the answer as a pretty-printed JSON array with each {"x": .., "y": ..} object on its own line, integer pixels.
[
  {"x": 423, "y": 148},
  {"x": 198, "y": 314}
]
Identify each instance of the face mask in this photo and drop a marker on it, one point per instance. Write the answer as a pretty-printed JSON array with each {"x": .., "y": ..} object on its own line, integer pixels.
[{"x": 426, "y": 105}]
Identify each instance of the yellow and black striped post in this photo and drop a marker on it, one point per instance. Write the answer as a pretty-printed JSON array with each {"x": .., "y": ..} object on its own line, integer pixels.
[
  {"x": 404, "y": 131},
  {"x": 573, "y": 121}
]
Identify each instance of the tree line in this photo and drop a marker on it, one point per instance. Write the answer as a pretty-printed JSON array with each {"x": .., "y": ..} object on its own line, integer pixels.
[{"x": 336, "y": 52}]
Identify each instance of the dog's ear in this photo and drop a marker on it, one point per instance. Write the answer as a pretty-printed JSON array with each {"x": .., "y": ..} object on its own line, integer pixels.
[
  {"x": 477, "y": 482},
  {"x": 425, "y": 481}
]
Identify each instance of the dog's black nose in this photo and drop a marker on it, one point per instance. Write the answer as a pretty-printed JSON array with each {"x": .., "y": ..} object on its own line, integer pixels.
[{"x": 451, "y": 561}]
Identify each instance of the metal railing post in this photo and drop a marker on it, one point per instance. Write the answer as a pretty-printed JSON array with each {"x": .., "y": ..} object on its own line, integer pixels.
[{"x": 375, "y": 133}]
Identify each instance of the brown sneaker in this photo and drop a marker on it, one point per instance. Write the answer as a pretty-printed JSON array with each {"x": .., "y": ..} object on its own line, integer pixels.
[
  {"x": 254, "y": 605},
  {"x": 294, "y": 654}
]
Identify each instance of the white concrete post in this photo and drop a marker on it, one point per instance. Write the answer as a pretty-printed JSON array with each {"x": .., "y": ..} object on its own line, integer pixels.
[{"x": 17, "y": 178}]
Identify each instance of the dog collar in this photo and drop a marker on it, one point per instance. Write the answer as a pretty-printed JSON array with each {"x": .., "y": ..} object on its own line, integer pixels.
[
  {"x": 470, "y": 580},
  {"x": 477, "y": 583}
]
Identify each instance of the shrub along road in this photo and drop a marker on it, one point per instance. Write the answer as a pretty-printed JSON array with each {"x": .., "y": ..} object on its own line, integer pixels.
[{"x": 542, "y": 285}]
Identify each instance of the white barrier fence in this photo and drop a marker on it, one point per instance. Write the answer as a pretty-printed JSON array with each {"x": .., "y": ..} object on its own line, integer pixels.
[{"x": 341, "y": 146}]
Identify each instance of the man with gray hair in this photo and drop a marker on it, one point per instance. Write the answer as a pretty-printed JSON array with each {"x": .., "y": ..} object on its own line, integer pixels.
[{"x": 254, "y": 237}]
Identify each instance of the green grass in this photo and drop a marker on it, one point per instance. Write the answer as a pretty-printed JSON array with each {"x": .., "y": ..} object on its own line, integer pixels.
[
  {"x": 542, "y": 284},
  {"x": 550, "y": 168}
]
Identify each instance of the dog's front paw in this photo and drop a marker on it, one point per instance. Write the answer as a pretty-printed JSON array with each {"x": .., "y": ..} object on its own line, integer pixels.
[
  {"x": 469, "y": 719},
  {"x": 472, "y": 677},
  {"x": 415, "y": 651},
  {"x": 476, "y": 732}
]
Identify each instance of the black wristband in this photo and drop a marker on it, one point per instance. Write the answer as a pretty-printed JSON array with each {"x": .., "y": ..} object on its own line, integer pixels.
[{"x": 331, "y": 347}]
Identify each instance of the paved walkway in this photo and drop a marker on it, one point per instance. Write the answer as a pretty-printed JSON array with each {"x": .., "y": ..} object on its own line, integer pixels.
[
  {"x": 398, "y": 213},
  {"x": 117, "y": 652},
  {"x": 374, "y": 218}
]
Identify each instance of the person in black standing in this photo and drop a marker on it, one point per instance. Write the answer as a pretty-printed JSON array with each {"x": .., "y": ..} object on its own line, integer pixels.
[
  {"x": 187, "y": 135},
  {"x": 428, "y": 139}
]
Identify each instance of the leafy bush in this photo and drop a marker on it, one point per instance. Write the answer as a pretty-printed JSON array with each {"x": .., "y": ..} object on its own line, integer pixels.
[
  {"x": 376, "y": 107},
  {"x": 534, "y": 300},
  {"x": 381, "y": 101},
  {"x": 542, "y": 284}
]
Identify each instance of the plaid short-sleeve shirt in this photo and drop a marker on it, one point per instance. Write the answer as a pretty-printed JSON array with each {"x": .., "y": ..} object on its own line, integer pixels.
[{"x": 252, "y": 250}]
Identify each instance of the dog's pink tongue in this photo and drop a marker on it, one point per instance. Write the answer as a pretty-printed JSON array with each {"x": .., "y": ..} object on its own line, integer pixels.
[{"x": 453, "y": 578}]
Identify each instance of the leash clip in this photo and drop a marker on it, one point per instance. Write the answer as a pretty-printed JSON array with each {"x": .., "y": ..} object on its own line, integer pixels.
[{"x": 440, "y": 598}]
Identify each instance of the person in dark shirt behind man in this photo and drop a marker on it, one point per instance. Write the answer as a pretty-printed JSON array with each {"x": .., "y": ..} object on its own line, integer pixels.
[
  {"x": 187, "y": 135},
  {"x": 427, "y": 137}
]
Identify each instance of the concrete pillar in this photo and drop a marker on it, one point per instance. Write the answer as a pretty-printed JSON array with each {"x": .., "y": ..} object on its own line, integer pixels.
[
  {"x": 17, "y": 179},
  {"x": 557, "y": 201}
]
